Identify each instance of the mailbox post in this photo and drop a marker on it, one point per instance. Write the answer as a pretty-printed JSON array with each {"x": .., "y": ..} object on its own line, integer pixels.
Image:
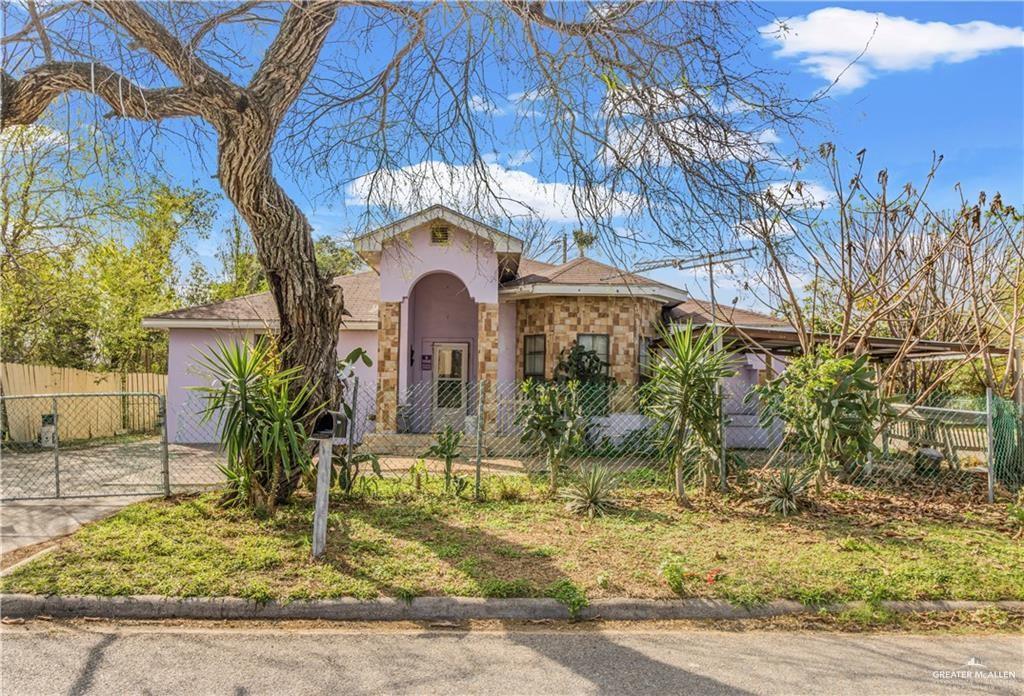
[{"x": 326, "y": 433}]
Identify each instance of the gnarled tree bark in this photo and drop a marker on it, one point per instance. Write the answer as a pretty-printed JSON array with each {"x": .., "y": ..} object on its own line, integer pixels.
[{"x": 246, "y": 119}]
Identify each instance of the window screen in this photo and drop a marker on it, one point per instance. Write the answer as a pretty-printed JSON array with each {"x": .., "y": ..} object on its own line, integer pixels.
[{"x": 533, "y": 356}]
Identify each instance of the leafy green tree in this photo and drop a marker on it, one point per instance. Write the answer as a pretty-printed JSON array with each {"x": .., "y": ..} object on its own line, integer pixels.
[
  {"x": 83, "y": 262},
  {"x": 197, "y": 287},
  {"x": 333, "y": 258}
]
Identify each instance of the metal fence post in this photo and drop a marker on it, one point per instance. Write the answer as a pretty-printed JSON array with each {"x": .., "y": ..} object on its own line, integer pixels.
[
  {"x": 56, "y": 447},
  {"x": 991, "y": 446},
  {"x": 480, "y": 391},
  {"x": 165, "y": 464},
  {"x": 352, "y": 420},
  {"x": 723, "y": 466}
]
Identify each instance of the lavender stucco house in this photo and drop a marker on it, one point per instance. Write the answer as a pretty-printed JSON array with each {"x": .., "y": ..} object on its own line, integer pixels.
[{"x": 450, "y": 301}]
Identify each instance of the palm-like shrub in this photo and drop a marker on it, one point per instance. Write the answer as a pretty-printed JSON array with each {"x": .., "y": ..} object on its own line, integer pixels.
[
  {"x": 684, "y": 399},
  {"x": 447, "y": 447},
  {"x": 258, "y": 409},
  {"x": 552, "y": 416},
  {"x": 593, "y": 494}
]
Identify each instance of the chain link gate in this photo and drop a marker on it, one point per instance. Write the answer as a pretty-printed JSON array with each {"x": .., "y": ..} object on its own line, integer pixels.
[{"x": 79, "y": 445}]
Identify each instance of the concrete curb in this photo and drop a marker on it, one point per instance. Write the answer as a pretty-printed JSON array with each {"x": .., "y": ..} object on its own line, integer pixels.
[{"x": 432, "y": 608}]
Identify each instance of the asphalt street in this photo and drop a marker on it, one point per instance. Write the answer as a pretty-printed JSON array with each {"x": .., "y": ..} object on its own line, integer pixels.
[{"x": 54, "y": 658}]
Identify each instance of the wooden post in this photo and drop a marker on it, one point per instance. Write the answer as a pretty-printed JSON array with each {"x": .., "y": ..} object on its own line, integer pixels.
[
  {"x": 991, "y": 450},
  {"x": 323, "y": 486},
  {"x": 723, "y": 467}
]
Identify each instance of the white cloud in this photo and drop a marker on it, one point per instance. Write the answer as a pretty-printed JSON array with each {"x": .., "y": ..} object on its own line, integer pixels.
[
  {"x": 488, "y": 190},
  {"x": 827, "y": 41},
  {"x": 800, "y": 194},
  {"x": 34, "y": 136},
  {"x": 518, "y": 157},
  {"x": 484, "y": 105},
  {"x": 679, "y": 139}
]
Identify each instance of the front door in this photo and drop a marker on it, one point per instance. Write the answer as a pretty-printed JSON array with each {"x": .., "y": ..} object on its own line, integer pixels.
[{"x": 451, "y": 362}]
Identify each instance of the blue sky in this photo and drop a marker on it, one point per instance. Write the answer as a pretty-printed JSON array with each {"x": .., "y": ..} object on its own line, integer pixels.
[{"x": 944, "y": 77}]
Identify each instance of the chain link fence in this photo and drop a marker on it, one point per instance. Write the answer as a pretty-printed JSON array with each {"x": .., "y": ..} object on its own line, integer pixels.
[
  {"x": 96, "y": 444},
  {"x": 919, "y": 449},
  {"x": 69, "y": 445}
]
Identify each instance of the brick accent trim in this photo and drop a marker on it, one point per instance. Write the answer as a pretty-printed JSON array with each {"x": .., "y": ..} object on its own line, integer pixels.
[{"x": 388, "y": 346}]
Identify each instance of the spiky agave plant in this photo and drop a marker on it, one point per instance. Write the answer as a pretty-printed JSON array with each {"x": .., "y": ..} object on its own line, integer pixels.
[
  {"x": 785, "y": 493},
  {"x": 593, "y": 494}
]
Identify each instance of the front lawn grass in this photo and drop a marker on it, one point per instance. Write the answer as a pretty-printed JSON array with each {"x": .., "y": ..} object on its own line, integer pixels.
[{"x": 402, "y": 544}]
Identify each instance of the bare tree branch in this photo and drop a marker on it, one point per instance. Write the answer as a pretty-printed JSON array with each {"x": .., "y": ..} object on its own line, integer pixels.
[{"x": 26, "y": 98}]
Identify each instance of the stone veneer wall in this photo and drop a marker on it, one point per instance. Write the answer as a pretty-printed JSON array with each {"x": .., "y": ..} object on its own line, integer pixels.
[
  {"x": 487, "y": 355},
  {"x": 624, "y": 319},
  {"x": 390, "y": 317}
]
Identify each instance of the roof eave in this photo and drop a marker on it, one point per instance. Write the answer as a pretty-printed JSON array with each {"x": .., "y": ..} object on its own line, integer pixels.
[
  {"x": 372, "y": 242},
  {"x": 238, "y": 324},
  {"x": 654, "y": 292}
]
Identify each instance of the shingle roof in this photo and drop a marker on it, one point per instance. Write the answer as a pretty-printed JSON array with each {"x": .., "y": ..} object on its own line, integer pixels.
[
  {"x": 699, "y": 312},
  {"x": 362, "y": 293},
  {"x": 579, "y": 271}
]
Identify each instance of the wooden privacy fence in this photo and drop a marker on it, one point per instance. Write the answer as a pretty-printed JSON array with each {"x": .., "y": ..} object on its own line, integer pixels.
[
  {"x": 17, "y": 380},
  {"x": 106, "y": 403}
]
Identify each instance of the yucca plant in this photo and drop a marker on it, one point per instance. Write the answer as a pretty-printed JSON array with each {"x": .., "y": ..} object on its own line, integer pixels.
[
  {"x": 593, "y": 494},
  {"x": 447, "y": 447},
  {"x": 258, "y": 410},
  {"x": 684, "y": 399},
  {"x": 786, "y": 492}
]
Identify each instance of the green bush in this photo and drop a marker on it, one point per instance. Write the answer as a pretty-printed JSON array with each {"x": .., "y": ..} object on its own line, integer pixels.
[
  {"x": 684, "y": 400},
  {"x": 785, "y": 493},
  {"x": 259, "y": 410},
  {"x": 829, "y": 405},
  {"x": 447, "y": 447},
  {"x": 552, "y": 417}
]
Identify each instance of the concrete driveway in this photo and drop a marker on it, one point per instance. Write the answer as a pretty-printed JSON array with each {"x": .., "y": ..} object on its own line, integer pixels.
[{"x": 26, "y": 522}]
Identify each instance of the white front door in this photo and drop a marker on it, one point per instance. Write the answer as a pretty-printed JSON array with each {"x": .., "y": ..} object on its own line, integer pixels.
[{"x": 451, "y": 370}]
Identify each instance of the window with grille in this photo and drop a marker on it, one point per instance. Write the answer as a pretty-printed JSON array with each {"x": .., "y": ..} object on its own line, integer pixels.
[
  {"x": 533, "y": 356},
  {"x": 598, "y": 343},
  {"x": 439, "y": 236}
]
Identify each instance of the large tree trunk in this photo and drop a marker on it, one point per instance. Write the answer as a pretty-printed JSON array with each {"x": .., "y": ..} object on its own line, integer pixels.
[{"x": 309, "y": 306}]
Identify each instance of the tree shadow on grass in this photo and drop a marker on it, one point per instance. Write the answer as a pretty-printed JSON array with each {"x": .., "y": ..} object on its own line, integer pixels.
[{"x": 495, "y": 565}]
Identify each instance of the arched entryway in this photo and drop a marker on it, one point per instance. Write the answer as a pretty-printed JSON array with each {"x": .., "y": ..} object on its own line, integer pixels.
[{"x": 442, "y": 330}]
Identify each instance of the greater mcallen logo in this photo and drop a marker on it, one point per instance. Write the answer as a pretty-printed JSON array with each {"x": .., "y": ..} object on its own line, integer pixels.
[{"x": 973, "y": 669}]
